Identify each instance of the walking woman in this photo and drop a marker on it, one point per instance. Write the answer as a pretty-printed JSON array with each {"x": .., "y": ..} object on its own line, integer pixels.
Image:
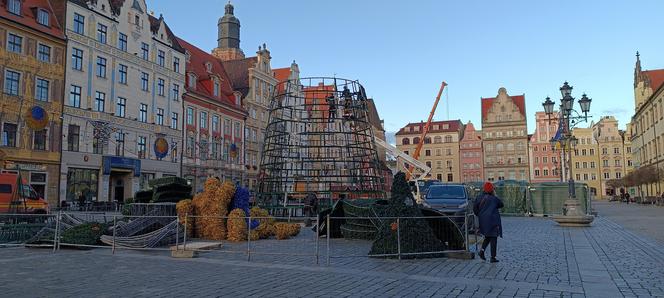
[{"x": 486, "y": 209}]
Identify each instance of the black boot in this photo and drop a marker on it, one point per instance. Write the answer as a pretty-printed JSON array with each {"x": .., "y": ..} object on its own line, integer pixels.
[
  {"x": 481, "y": 254},
  {"x": 494, "y": 260}
]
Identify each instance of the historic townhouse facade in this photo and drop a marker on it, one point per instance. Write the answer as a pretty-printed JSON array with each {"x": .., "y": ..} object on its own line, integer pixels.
[
  {"x": 470, "y": 149},
  {"x": 544, "y": 162},
  {"x": 123, "y": 113},
  {"x": 440, "y": 151},
  {"x": 32, "y": 70},
  {"x": 586, "y": 161},
  {"x": 647, "y": 124},
  {"x": 610, "y": 143},
  {"x": 254, "y": 79},
  {"x": 213, "y": 122},
  {"x": 505, "y": 137}
]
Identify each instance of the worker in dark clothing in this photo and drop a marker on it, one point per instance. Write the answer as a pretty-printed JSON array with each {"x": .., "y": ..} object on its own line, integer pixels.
[
  {"x": 486, "y": 209},
  {"x": 332, "y": 108},
  {"x": 348, "y": 102}
]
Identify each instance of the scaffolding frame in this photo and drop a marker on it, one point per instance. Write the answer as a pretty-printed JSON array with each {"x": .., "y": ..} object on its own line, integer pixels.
[{"x": 319, "y": 140}]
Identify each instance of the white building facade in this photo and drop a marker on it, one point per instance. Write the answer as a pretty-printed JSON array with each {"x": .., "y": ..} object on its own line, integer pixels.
[{"x": 123, "y": 109}]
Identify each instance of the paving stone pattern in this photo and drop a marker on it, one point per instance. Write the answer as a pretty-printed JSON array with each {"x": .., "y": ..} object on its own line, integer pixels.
[{"x": 538, "y": 259}]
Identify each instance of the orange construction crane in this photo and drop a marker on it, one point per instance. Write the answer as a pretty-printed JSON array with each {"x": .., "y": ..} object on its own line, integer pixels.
[{"x": 416, "y": 154}]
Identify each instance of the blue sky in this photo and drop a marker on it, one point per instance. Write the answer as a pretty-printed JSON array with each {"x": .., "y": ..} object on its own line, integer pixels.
[{"x": 402, "y": 50}]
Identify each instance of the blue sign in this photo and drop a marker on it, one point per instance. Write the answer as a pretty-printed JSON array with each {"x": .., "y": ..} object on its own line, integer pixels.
[{"x": 110, "y": 162}]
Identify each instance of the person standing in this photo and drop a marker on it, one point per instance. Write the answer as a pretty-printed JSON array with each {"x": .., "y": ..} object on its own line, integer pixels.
[{"x": 486, "y": 209}]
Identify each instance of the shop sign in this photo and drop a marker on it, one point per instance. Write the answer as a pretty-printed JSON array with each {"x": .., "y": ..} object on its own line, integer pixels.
[{"x": 10, "y": 165}]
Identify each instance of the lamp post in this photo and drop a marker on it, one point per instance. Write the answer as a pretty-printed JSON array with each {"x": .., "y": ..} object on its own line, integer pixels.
[{"x": 569, "y": 118}]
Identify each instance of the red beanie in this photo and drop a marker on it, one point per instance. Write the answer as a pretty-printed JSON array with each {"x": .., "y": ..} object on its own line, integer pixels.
[{"x": 488, "y": 187}]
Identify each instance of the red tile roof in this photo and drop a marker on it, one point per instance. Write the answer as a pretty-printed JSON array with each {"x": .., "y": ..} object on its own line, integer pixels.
[
  {"x": 28, "y": 17},
  {"x": 453, "y": 126},
  {"x": 519, "y": 101},
  {"x": 656, "y": 78},
  {"x": 282, "y": 75},
  {"x": 204, "y": 86},
  {"x": 238, "y": 72}
]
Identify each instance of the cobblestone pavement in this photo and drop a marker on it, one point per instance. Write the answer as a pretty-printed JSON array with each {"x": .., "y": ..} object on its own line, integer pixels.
[
  {"x": 538, "y": 259},
  {"x": 645, "y": 220}
]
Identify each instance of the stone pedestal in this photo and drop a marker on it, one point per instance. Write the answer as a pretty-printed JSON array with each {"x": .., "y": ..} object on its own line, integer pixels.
[{"x": 573, "y": 216}]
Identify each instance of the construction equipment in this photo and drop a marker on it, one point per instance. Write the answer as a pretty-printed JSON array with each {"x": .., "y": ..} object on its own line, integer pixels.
[
  {"x": 417, "y": 170},
  {"x": 416, "y": 154}
]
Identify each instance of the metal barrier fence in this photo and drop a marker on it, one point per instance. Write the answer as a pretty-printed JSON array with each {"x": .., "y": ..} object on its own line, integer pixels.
[{"x": 168, "y": 233}]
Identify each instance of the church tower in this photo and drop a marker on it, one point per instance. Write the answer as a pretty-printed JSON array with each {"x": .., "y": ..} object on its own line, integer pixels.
[{"x": 228, "y": 40}]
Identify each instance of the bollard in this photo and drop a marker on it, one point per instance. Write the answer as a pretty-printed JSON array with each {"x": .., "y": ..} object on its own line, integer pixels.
[
  {"x": 184, "y": 245},
  {"x": 327, "y": 226},
  {"x": 114, "y": 228},
  {"x": 316, "y": 235},
  {"x": 398, "y": 238},
  {"x": 249, "y": 239}
]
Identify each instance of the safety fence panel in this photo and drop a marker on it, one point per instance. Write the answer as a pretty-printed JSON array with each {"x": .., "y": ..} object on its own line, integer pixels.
[
  {"x": 27, "y": 229},
  {"x": 514, "y": 196},
  {"x": 548, "y": 198}
]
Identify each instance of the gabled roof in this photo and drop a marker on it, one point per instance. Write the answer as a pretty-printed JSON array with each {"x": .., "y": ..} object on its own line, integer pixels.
[
  {"x": 116, "y": 5},
  {"x": 470, "y": 131},
  {"x": 155, "y": 24},
  {"x": 282, "y": 75},
  {"x": 197, "y": 64},
  {"x": 28, "y": 17},
  {"x": 238, "y": 73},
  {"x": 656, "y": 78},
  {"x": 452, "y": 126},
  {"x": 519, "y": 101}
]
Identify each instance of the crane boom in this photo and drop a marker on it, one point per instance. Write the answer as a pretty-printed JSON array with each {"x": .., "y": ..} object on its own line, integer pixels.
[{"x": 418, "y": 150}]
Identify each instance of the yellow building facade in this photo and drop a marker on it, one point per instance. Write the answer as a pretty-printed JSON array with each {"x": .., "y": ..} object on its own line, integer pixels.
[
  {"x": 611, "y": 153},
  {"x": 586, "y": 161},
  {"x": 440, "y": 150},
  {"x": 32, "y": 70}
]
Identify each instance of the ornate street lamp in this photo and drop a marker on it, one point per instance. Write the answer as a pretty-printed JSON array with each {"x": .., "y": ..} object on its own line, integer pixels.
[{"x": 569, "y": 118}]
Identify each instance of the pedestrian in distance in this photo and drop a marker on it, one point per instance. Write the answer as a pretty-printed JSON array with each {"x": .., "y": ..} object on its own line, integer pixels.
[{"x": 486, "y": 209}]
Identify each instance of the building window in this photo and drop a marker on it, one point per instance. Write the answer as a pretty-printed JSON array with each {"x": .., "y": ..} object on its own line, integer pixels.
[
  {"x": 160, "y": 116},
  {"x": 161, "y": 58},
  {"x": 617, "y": 162},
  {"x": 143, "y": 113},
  {"x": 9, "y": 134},
  {"x": 41, "y": 89},
  {"x": 141, "y": 147},
  {"x": 39, "y": 140},
  {"x": 79, "y": 24},
  {"x": 101, "y": 33},
  {"x": 42, "y": 17},
  {"x": 427, "y": 152},
  {"x": 448, "y": 139},
  {"x": 176, "y": 64},
  {"x": 123, "y": 74},
  {"x": 450, "y": 177},
  {"x": 537, "y": 173},
  {"x": 190, "y": 116},
  {"x": 192, "y": 81},
  {"x": 119, "y": 143},
  {"x": 605, "y": 151},
  {"x": 176, "y": 92},
  {"x": 616, "y": 150},
  {"x": 121, "y": 107},
  {"x": 238, "y": 130},
  {"x": 14, "y": 6},
  {"x": 12, "y": 82},
  {"x": 101, "y": 67},
  {"x": 75, "y": 96},
  {"x": 607, "y": 175},
  {"x": 216, "y": 88},
  {"x": 203, "y": 120},
  {"x": 122, "y": 42},
  {"x": 578, "y": 176},
  {"x": 97, "y": 144},
  {"x": 605, "y": 163},
  {"x": 174, "y": 120},
  {"x": 227, "y": 127},
  {"x": 405, "y": 141},
  {"x": 546, "y": 172},
  {"x": 618, "y": 175},
  {"x": 44, "y": 53},
  {"x": 144, "y": 81},
  {"x": 448, "y": 151},
  {"x": 215, "y": 123},
  {"x": 160, "y": 87},
  {"x": 100, "y": 101},
  {"x": 77, "y": 59},
  {"x": 592, "y": 151},
  {"x": 145, "y": 50},
  {"x": 82, "y": 183},
  {"x": 73, "y": 136},
  {"x": 15, "y": 43}
]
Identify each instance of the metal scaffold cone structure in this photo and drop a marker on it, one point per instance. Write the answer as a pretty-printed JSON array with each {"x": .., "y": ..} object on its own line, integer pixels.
[{"x": 319, "y": 140}]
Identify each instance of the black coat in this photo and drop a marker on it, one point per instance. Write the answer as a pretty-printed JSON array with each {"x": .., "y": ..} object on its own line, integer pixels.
[{"x": 486, "y": 209}]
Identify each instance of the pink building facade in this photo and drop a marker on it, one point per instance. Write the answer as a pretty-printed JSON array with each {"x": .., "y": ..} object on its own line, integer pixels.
[
  {"x": 470, "y": 150},
  {"x": 544, "y": 162}
]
